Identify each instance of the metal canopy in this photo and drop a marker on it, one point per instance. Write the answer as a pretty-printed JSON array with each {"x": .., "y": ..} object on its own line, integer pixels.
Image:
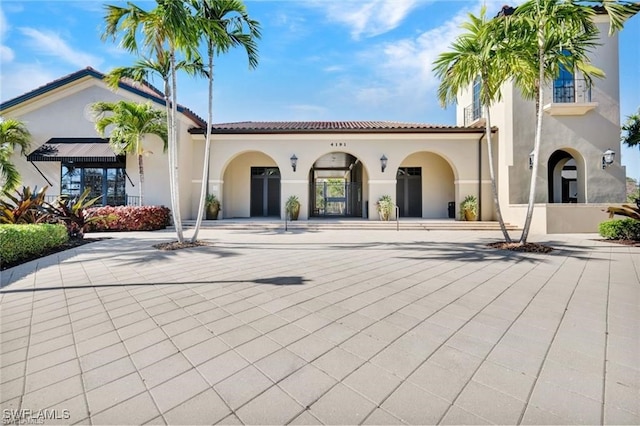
[{"x": 75, "y": 150}]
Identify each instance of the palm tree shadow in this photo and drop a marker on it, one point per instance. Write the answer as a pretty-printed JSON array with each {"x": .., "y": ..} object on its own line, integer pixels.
[{"x": 278, "y": 281}]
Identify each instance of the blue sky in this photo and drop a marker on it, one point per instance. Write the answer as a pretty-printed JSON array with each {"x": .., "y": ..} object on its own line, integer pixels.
[{"x": 319, "y": 59}]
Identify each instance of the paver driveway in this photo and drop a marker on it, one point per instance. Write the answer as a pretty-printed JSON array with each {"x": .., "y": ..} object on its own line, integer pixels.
[{"x": 334, "y": 327}]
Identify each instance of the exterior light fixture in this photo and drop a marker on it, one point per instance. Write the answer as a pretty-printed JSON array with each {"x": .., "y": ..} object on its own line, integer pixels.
[
  {"x": 607, "y": 158},
  {"x": 383, "y": 162},
  {"x": 294, "y": 162},
  {"x": 531, "y": 158}
]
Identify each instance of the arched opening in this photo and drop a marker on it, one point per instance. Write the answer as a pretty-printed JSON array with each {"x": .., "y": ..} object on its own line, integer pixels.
[
  {"x": 251, "y": 186},
  {"x": 565, "y": 178},
  {"x": 425, "y": 186},
  {"x": 336, "y": 186}
]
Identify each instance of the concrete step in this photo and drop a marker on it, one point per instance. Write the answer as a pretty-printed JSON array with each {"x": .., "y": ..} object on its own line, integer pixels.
[{"x": 350, "y": 224}]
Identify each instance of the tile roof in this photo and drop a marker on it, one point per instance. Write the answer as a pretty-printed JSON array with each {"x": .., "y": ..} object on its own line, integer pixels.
[
  {"x": 335, "y": 127},
  {"x": 143, "y": 89}
]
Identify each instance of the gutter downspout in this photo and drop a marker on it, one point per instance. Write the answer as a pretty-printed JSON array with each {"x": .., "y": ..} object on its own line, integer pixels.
[{"x": 480, "y": 176}]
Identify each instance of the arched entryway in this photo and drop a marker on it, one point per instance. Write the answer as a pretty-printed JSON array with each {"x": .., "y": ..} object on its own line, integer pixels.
[
  {"x": 251, "y": 186},
  {"x": 425, "y": 186},
  {"x": 336, "y": 186},
  {"x": 565, "y": 177}
]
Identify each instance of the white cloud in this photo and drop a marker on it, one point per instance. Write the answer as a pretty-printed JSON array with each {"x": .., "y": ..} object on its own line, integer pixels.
[
  {"x": 51, "y": 44},
  {"x": 22, "y": 78},
  {"x": 368, "y": 18},
  {"x": 333, "y": 68},
  {"x": 398, "y": 75},
  {"x": 6, "y": 53}
]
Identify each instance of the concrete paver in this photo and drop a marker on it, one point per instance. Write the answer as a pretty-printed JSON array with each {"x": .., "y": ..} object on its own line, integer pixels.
[{"x": 327, "y": 327}]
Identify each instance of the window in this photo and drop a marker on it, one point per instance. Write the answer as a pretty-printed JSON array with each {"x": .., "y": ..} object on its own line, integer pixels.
[
  {"x": 564, "y": 90},
  {"x": 477, "y": 105},
  {"x": 106, "y": 180}
]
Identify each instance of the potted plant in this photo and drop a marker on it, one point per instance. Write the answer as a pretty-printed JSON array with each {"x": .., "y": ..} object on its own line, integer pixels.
[
  {"x": 292, "y": 207},
  {"x": 469, "y": 208},
  {"x": 212, "y": 204},
  {"x": 385, "y": 207}
]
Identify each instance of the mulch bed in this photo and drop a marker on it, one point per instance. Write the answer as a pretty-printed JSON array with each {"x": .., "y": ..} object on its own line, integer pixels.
[
  {"x": 527, "y": 247},
  {"x": 176, "y": 245},
  {"x": 72, "y": 243}
]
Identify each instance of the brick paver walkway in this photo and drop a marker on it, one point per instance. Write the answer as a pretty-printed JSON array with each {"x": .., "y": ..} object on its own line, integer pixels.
[{"x": 329, "y": 327}]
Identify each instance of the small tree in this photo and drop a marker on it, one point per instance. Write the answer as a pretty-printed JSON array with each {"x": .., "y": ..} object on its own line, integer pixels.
[
  {"x": 13, "y": 135},
  {"x": 631, "y": 130},
  {"x": 129, "y": 123}
]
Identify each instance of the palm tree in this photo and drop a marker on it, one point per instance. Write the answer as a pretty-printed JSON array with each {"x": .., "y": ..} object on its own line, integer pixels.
[
  {"x": 166, "y": 31},
  {"x": 632, "y": 130},
  {"x": 480, "y": 51},
  {"x": 222, "y": 24},
  {"x": 130, "y": 122},
  {"x": 13, "y": 134},
  {"x": 557, "y": 34}
]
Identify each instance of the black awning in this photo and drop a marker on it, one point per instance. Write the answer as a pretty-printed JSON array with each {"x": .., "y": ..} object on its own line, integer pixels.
[{"x": 76, "y": 150}]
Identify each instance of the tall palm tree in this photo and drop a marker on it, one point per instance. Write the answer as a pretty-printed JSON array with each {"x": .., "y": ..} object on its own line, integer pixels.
[
  {"x": 130, "y": 122},
  {"x": 479, "y": 51},
  {"x": 166, "y": 31},
  {"x": 13, "y": 134},
  {"x": 631, "y": 129},
  {"x": 223, "y": 24},
  {"x": 556, "y": 34}
]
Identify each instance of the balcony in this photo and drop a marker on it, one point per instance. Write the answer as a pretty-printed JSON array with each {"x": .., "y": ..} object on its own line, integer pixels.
[
  {"x": 570, "y": 97},
  {"x": 473, "y": 114}
]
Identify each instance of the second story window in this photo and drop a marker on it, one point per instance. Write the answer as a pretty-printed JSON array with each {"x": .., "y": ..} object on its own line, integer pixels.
[
  {"x": 568, "y": 89},
  {"x": 477, "y": 105}
]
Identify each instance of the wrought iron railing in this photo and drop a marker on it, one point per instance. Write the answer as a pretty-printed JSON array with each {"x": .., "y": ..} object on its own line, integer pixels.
[
  {"x": 472, "y": 113},
  {"x": 571, "y": 90}
]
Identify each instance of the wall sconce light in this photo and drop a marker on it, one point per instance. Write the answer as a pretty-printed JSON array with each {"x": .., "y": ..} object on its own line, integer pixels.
[
  {"x": 607, "y": 158},
  {"x": 294, "y": 162},
  {"x": 531, "y": 157},
  {"x": 383, "y": 162}
]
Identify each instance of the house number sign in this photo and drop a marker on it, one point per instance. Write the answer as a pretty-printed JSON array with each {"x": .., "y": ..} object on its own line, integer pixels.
[{"x": 339, "y": 144}]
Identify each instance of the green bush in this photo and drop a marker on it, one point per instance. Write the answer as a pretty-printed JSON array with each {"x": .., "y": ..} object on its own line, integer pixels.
[
  {"x": 21, "y": 241},
  {"x": 620, "y": 229}
]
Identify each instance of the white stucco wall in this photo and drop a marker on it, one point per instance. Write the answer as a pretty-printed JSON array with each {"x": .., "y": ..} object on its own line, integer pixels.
[{"x": 62, "y": 113}]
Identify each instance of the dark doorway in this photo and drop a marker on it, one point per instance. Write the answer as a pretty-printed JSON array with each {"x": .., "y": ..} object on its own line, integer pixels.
[
  {"x": 409, "y": 191},
  {"x": 562, "y": 178},
  {"x": 265, "y": 191},
  {"x": 336, "y": 186}
]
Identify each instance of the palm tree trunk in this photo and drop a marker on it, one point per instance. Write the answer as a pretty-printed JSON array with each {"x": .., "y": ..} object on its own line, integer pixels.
[
  {"x": 536, "y": 147},
  {"x": 494, "y": 190},
  {"x": 207, "y": 148},
  {"x": 170, "y": 147},
  {"x": 141, "y": 179},
  {"x": 174, "y": 137}
]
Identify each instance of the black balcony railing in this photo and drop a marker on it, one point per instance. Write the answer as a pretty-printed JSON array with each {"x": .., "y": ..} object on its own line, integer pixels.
[
  {"x": 472, "y": 113},
  {"x": 571, "y": 90}
]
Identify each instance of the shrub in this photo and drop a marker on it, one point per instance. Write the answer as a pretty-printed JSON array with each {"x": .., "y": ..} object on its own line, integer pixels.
[
  {"x": 74, "y": 212},
  {"x": 22, "y": 241},
  {"x": 24, "y": 207},
  {"x": 620, "y": 229},
  {"x": 130, "y": 218}
]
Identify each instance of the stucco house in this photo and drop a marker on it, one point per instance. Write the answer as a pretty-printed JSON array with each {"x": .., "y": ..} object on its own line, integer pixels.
[{"x": 340, "y": 169}]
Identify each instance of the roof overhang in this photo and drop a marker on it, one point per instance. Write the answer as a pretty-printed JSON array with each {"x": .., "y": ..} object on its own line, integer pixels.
[{"x": 76, "y": 150}]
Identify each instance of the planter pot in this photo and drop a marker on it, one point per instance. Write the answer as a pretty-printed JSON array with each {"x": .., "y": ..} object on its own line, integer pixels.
[
  {"x": 469, "y": 215},
  {"x": 384, "y": 215},
  {"x": 212, "y": 212},
  {"x": 294, "y": 213}
]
